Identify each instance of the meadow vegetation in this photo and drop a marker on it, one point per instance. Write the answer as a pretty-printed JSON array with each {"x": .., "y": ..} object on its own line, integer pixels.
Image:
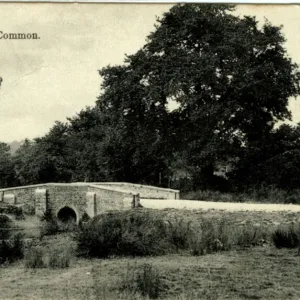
[
  {"x": 254, "y": 195},
  {"x": 168, "y": 254}
]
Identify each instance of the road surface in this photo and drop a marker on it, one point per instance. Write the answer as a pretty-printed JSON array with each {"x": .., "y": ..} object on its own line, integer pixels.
[{"x": 206, "y": 205}]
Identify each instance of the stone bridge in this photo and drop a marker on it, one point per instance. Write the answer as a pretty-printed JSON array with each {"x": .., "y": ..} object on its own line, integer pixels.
[{"x": 74, "y": 200}]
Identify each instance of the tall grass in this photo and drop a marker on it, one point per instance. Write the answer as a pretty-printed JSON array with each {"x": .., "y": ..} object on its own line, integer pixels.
[
  {"x": 54, "y": 257},
  {"x": 287, "y": 236},
  {"x": 145, "y": 280},
  {"x": 59, "y": 258},
  {"x": 141, "y": 233},
  {"x": 34, "y": 258},
  {"x": 250, "y": 236}
]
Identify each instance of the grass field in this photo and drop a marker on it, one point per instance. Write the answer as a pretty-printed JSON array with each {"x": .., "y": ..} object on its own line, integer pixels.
[{"x": 262, "y": 272}]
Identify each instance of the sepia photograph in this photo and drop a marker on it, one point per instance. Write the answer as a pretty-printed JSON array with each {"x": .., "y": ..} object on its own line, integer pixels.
[{"x": 149, "y": 151}]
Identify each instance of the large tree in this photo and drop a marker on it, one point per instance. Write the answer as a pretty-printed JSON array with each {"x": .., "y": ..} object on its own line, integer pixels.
[
  {"x": 274, "y": 162},
  {"x": 135, "y": 146},
  {"x": 231, "y": 79}
]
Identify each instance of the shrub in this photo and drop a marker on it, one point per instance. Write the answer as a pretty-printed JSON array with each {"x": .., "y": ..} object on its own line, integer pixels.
[
  {"x": 212, "y": 236},
  {"x": 34, "y": 258},
  {"x": 49, "y": 224},
  {"x": 133, "y": 233},
  {"x": 49, "y": 227},
  {"x": 11, "y": 250},
  {"x": 145, "y": 280},
  {"x": 140, "y": 233},
  {"x": 51, "y": 257},
  {"x": 66, "y": 226},
  {"x": 5, "y": 225},
  {"x": 10, "y": 209},
  {"x": 59, "y": 258},
  {"x": 196, "y": 245},
  {"x": 249, "y": 236},
  {"x": 286, "y": 237},
  {"x": 179, "y": 232}
]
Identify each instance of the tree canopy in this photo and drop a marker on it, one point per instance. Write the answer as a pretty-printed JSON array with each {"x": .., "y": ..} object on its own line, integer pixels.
[
  {"x": 207, "y": 87},
  {"x": 231, "y": 80}
]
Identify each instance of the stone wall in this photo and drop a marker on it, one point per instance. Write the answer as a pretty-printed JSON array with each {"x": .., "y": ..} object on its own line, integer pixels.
[
  {"x": 109, "y": 199},
  {"x": 22, "y": 195}
]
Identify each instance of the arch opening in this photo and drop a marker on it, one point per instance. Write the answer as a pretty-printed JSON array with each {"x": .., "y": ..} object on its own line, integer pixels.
[{"x": 67, "y": 215}]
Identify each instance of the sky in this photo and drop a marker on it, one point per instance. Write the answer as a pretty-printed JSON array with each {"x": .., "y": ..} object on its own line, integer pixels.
[{"x": 56, "y": 76}]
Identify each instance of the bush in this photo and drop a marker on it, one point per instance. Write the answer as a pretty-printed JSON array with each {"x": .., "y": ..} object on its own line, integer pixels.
[
  {"x": 140, "y": 233},
  {"x": 59, "y": 258},
  {"x": 212, "y": 236},
  {"x": 178, "y": 233},
  {"x": 144, "y": 280},
  {"x": 53, "y": 257},
  {"x": 49, "y": 224},
  {"x": 34, "y": 258},
  {"x": 5, "y": 225},
  {"x": 286, "y": 237},
  {"x": 10, "y": 209},
  {"x": 50, "y": 227},
  {"x": 133, "y": 233},
  {"x": 11, "y": 250},
  {"x": 249, "y": 236}
]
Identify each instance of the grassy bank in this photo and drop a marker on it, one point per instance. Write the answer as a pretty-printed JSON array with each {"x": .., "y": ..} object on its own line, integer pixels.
[
  {"x": 179, "y": 254},
  {"x": 259, "y": 273}
]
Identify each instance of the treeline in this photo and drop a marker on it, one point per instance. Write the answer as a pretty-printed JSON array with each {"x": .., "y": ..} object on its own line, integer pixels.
[{"x": 230, "y": 80}]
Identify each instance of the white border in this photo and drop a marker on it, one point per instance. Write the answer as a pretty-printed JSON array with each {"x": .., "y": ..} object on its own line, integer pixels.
[{"x": 159, "y": 1}]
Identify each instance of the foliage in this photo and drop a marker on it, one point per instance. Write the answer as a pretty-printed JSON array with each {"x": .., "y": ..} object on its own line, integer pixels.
[
  {"x": 272, "y": 163},
  {"x": 250, "y": 236},
  {"x": 287, "y": 237},
  {"x": 59, "y": 258},
  {"x": 51, "y": 225},
  {"x": 263, "y": 194},
  {"x": 138, "y": 233},
  {"x": 5, "y": 225},
  {"x": 11, "y": 250},
  {"x": 228, "y": 80},
  {"x": 219, "y": 68},
  {"x": 53, "y": 257},
  {"x": 12, "y": 210},
  {"x": 34, "y": 258},
  {"x": 130, "y": 233},
  {"x": 6, "y": 167},
  {"x": 179, "y": 232},
  {"x": 211, "y": 236}
]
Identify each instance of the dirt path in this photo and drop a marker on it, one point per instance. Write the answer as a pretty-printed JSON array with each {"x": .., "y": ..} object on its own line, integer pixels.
[{"x": 207, "y": 205}]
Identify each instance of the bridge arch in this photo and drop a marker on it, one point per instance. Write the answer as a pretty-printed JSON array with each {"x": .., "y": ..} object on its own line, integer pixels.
[{"x": 67, "y": 214}]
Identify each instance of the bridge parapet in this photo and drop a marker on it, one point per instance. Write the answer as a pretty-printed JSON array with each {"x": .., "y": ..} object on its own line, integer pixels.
[{"x": 145, "y": 191}]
